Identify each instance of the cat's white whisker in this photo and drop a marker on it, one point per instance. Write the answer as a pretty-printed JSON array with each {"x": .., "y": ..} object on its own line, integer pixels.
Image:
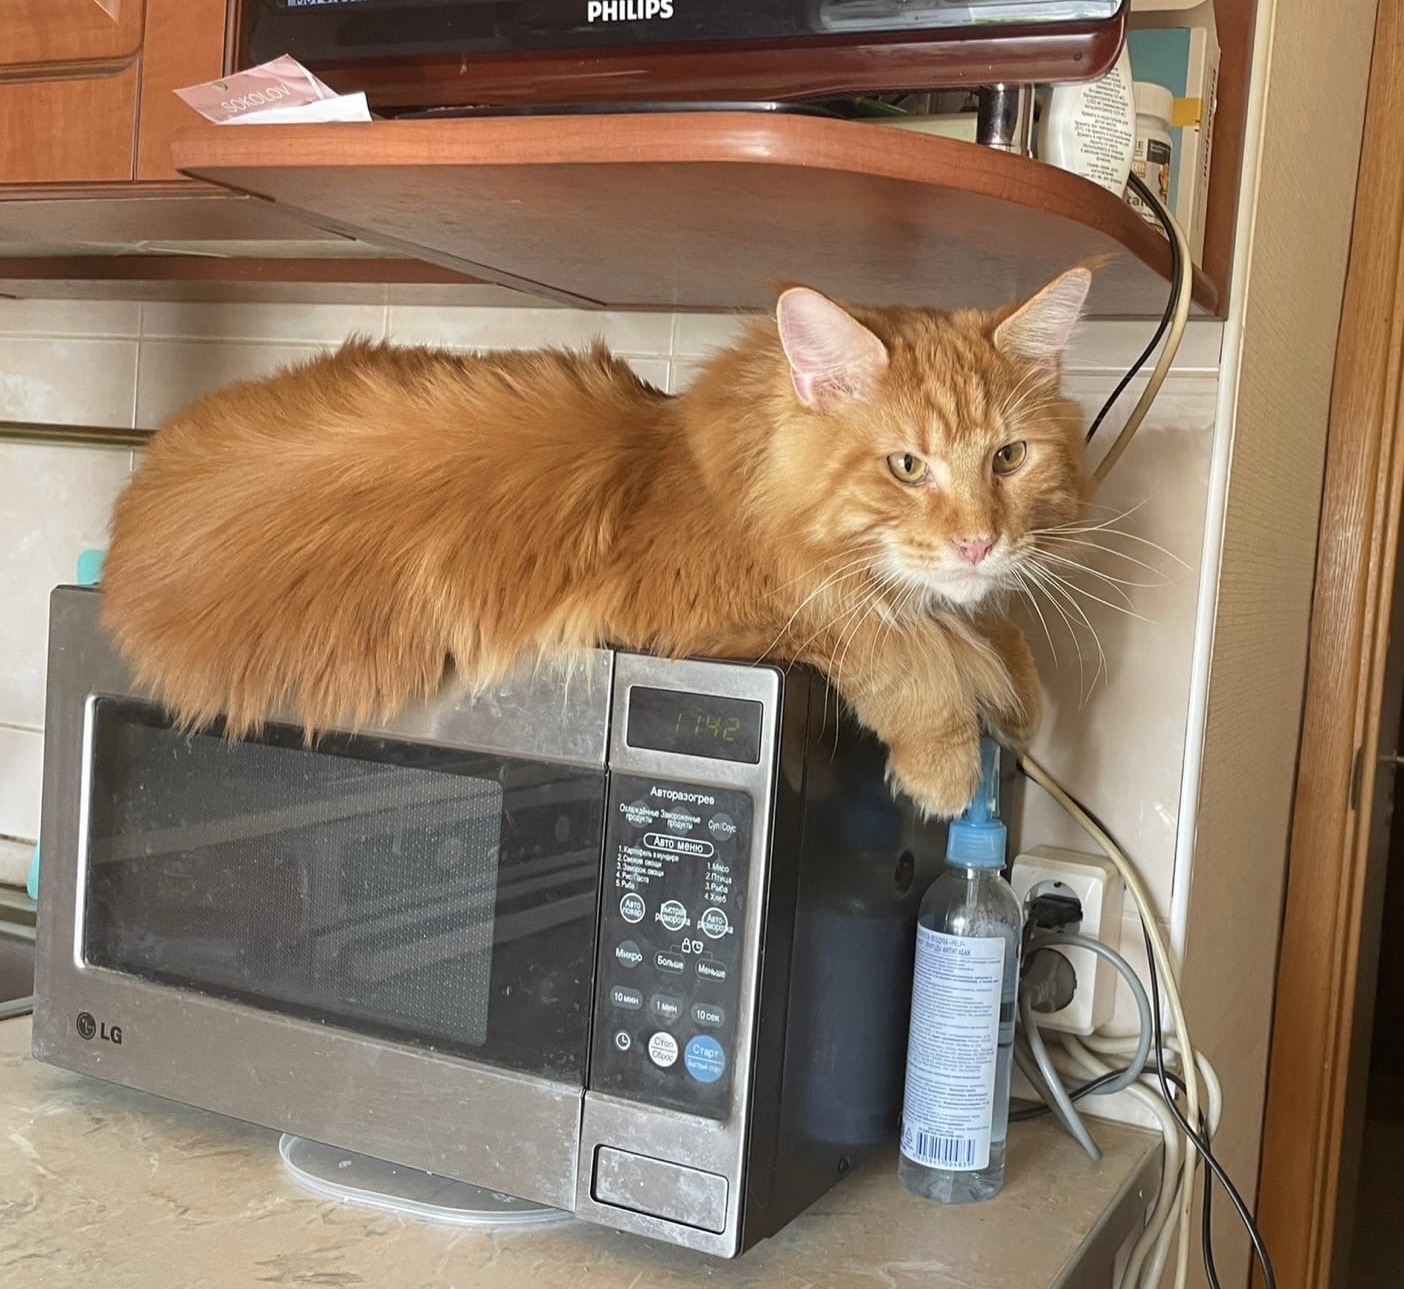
[
  {"x": 1058, "y": 586},
  {"x": 1105, "y": 550},
  {"x": 1083, "y": 591},
  {"x": 852, "y": 633},
  {"x": 1068, "y": 567},
  {"x": 861, "y": 565},
  {"x": 1023, "y": 589},
  {"x": 850, "y": 555},
  {"x": 1115, "y": 532},
  {"x": 1036, "y": 578},
  {"x": 1063, "y": 561},
  {"x": 1120, "y": 514}
]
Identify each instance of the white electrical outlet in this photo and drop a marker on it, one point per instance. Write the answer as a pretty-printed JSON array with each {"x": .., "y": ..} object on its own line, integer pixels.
[{"x": 1097, "y": 885}]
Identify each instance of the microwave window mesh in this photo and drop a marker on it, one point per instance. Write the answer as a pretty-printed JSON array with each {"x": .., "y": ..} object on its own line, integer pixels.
[{"x": 344, "y": 885}]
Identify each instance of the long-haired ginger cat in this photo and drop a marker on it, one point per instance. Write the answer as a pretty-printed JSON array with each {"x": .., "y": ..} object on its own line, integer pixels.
[{"x": 852, "y": 488}]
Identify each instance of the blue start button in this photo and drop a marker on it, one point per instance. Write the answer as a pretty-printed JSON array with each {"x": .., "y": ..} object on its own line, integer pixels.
[{"x": 704, "y": 1059}]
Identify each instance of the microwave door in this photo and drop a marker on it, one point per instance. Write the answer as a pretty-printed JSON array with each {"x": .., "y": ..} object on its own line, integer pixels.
[{"x": 438, "y": 897}]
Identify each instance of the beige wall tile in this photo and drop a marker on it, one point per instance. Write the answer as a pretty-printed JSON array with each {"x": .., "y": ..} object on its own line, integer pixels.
[
  {"x": 654, "y": 370},
  {"x": 15, "y": 859},
  {"x": 1118, "y": 744},
  {"x": 1115, "y": 346},
  {"x": 173, "y": 372},
  {"x": 306, "y": 323},
  {"x": 698, "y": 334},
  {"x": 118, "y": 318},
  {"x": 67, "y": 382},
  {"x": 645, "y": 334},
  {"x": 21, "y": 774},
  {"x": 54, "y": 503}
]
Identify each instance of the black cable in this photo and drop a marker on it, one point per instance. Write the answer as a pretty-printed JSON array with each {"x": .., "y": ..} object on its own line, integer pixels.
[
  {"x": 1088, "y": 1089},
  {"x": 1164, "y": 324},
  {"x": 1199, "y": 1140},
  {"x": 1201, "y": 1144}
]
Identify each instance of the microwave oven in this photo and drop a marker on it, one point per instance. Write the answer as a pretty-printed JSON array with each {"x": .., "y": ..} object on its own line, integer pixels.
[
  {"x": 423, "y": 53},
  {"x": 632, "y": 940}
]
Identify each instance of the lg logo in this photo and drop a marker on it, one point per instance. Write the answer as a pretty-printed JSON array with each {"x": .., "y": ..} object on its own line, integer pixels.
[{"x": 88, "y": 1027}]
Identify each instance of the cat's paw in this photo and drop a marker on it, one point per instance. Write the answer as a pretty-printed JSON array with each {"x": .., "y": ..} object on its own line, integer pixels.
[
  {"x": 939, "y": 775},
  {"x": 1014, "y": 728}
]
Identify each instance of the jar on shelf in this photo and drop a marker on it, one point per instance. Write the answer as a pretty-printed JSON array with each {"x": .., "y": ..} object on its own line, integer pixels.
[{"x": 1151, "y": 160}]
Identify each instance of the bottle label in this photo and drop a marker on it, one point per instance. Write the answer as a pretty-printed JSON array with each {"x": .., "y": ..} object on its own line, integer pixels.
[{"x": 953, "y": 1049}]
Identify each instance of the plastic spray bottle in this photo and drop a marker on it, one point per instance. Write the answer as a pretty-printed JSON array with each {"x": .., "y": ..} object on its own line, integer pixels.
[{"x": 955, "y": 1110}]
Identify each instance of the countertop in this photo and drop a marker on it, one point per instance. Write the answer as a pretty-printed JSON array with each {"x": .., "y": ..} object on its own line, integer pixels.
[{"x": 104, "y": 1187}]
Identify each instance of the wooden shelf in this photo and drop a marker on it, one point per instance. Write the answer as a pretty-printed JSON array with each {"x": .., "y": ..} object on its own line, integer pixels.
[{"x": 699, "y": 210}]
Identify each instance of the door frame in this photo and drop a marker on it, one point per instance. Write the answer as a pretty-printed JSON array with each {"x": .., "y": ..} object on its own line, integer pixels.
[{"x": 1331, "y": 917}]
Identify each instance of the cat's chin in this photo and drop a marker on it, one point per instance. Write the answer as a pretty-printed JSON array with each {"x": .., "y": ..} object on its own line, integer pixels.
[{"x": 964, "y": 590}]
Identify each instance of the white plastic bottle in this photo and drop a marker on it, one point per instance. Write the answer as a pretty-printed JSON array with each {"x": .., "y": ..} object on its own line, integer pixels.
[
  {"x": 1090, "y": 128},
  {"x": 955, "y": 1107},
  {"x": 1154, "y": 105}
]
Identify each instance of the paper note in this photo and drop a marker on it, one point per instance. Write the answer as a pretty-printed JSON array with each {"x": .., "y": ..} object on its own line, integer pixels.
[{"x": 279, "y": 92}]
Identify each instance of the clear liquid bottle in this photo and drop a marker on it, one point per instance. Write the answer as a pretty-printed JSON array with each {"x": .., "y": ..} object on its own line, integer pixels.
[{"x": 955, "y": 1108}]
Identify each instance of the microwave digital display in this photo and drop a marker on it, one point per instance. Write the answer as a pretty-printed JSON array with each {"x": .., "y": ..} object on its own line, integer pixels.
[{"x": 721, "y": 729}]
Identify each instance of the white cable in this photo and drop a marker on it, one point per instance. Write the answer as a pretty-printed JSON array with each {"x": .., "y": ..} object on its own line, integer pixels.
[
  {"x": 1155, "y": 1237},
  {"x": 1165, "y": 966},
  {"x": 1184, "y": 288}
]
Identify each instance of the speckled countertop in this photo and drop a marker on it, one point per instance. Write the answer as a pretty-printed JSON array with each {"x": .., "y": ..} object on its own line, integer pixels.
[{"x": 104, "y": 1188}]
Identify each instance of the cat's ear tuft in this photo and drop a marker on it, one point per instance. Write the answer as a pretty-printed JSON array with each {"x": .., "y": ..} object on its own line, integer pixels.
[
  {"x": 832, "y": 355},
  {"x": 1039, "y": 329}
]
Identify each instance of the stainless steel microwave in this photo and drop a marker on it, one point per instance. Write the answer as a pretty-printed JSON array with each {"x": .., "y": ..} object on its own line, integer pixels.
[{"x": 633, "y": 941}]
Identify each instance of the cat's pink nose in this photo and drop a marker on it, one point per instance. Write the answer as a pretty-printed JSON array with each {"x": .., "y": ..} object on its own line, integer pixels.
[{"x": 974, "y": 549}]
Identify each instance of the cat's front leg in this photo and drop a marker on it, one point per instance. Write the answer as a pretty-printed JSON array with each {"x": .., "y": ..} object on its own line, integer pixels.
[
  {"x": 1012, "y": 715},
  {"x": 938, "y": 768},
  {"x": 913, "y": 694}
]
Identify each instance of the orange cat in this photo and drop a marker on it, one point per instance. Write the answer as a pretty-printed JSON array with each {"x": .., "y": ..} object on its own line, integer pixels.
[{"x": 854, "y": 489}]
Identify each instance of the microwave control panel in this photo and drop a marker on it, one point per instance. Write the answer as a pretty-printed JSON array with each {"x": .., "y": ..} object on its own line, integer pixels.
[{"x": 673, "y": 909}]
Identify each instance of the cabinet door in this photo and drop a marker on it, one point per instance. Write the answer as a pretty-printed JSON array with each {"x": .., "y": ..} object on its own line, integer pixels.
[
  {"x": 184, "y": 45},
  {"x": 76, "y": 129},
  {"x": 40, "y": 33}
]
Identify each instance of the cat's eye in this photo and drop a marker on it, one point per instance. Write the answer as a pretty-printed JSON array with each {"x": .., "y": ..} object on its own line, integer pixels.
[
  {"x": 907, "y": 467},
  {"x": 1010, "y": 457}
]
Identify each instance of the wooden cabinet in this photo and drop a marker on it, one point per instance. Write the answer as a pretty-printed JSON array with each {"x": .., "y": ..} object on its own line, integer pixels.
[
  {"x": 85, "y": 85},
  {"x": 680, "y": 210},
  {"x": 700, "y": 210},
  {"x": 68, "y": 128},
  {"x": 50, "y": 33}
]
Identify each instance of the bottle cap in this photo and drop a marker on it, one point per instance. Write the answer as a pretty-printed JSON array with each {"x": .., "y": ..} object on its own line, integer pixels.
[
  {"x": 1153, "y": 100},
  {"x": 977, "y": 839}
]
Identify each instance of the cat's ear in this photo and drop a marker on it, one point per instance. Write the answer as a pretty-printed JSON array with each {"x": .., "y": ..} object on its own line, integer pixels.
[
  {"x": 1039, "y": 329},
  {"x": 832, "y": 355}
]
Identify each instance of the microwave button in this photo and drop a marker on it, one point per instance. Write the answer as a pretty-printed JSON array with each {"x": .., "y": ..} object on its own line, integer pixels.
[
  {"x": 628, "y": 954},
  {"x": 666, "y": 1007},
  {"x": 704, "y": 1059},
  {"x": 709, "y": 969},
  {"x": 623, "y": 1041},
  {"x": 662, "y": 1050},
  {"x": 679, "y": 821},
  {"x": 708, "y": 1014},
  {"x": 632, "y": 907},
  {"x": 714, "y": 923},
  {"x": 722, "y": 826},
  {"x": 623, "y": 996},
  {"x": 669, "y": 962},
  {"x": 673, "y": 915}
]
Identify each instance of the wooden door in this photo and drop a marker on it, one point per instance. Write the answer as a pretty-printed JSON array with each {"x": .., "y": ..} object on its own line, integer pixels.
[{"x": 1343, "y": 795}]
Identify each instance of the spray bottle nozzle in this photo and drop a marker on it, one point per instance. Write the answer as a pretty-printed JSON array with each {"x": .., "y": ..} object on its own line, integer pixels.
[{"x": 977, "y": 838}]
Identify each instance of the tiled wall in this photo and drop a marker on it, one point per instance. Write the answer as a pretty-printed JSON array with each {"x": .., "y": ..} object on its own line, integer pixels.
[{"x": 1116, "y": 738}]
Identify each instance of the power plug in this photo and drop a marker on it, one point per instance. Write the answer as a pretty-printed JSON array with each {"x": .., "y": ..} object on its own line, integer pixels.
[{"x": 1095, "y": 884}]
